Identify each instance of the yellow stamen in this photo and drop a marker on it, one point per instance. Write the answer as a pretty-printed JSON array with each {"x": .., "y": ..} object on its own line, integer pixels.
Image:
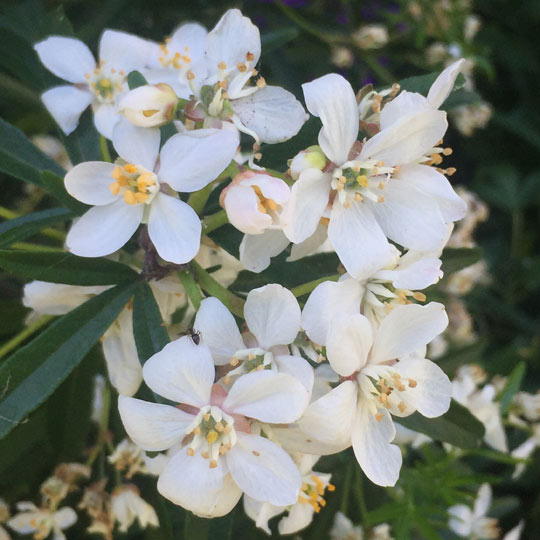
[
  {"x": 362, "y": 180},
  {"x": 130, "y": 168},
  {"x": 222, "y": 65},
  {"x": 117, "y": 173},
  {"x": 213, "y": 463},
  {"x": 249, "y": 57},
  {"x": 190, "y": 452},
  {"x": 421, "y": 297},
  {"x": 141, "y": 197},
  {"x": 255, "y": 453},
  {"x": 115, "y": 188},
  {"x": 412, "y": 383},
  {"x": 212, "y": 436},
  {"x": 150, "y": 112},
  {"x": 129, "y": 197}
]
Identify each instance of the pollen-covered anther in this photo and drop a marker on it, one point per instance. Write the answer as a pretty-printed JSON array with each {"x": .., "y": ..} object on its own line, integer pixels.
[
  {"x": 250, "y": 57},
  {"x": 421, "y": 297},
  {"x": 447, "y": 151},
  {"x": 261, "y": 82},
  {"x": 412, "y": 383},
  {"x": 222, "y": 65},
  {"x": 402, "y": 407},
  {"x": 241, "y": 67}
]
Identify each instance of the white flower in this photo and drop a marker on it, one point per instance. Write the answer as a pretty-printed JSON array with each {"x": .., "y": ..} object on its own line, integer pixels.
[
  {"x": 272, "y": 316},
  {"x": 268, "y": 113},
  {"x": 526, "y": 449},
  {"x": 217, "y": 457},
  {"x": 124, "y": 195},
  {"x": 127, "y": 505},
  {"x": 528, "y": 405},
  {"x": 474, "y": 523},
  {"x": 300, "y": 514},
  {"x": 371, "y": 36},
  {"x": 4, "y": 516},
  {"x": 42, "y": 522},
  {"x": 344, "y": 529},
  {"x": 383, "y": 371},
  {"x": 374, "y": 297},
  {"x": 149, "y": 105},
  {"x": 386, "y": 188},
  {"x": 254, "y": 201},
  {"x": 97, "y": 84}
]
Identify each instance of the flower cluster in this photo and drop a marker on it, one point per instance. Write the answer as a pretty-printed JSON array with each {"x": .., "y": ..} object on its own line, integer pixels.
[{"x": 246, "y": 411}]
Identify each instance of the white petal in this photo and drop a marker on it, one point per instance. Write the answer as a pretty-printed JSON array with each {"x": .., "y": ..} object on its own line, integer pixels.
[
  {"x": 271, "y": 397},
  {"x": 218, "y": 330},
  {"x": 263, "y": 470},
  {"x": 433, "y": 183},
  {"x": 309, "y": 198},
  {"x": 483, "y": 501},
  {"x": 274, "y": 114},
  {"x": 406, "y": 329},
  {"x": 348, "y": 343},
  {"x": 21, "y": 523},
  {"x": 174, "y": 228},
  {"x": 123, "y": 51},
  {"x": 65, "y": 517},
  {"x": 310, "y": 245},
  {"x": 432, "y": 393},
  {"x": 328, "y": 301},
  {"x": 89, "y": 182},
  {"x": 408, "y": 139},
  {"x": 190, "y": 161},
  {"x": 66, "y": 104},
  {"x": 358, "y": 239},
  {"x": 242, "y": 207},
  {"x": 261, "y": 512},
  {"x": 189, "y": 482},
  {"x": 415, "y": 276},
  {"x": 68, "y": 58},
  {"x": 231, "y": 39},
  {"x": 105, "y": 119},
  {"x": 102, "y": 230},
  {"x": 270, "y": 186},
  {"x": 300, "y": 516},
  {"x": 273, "y": 315},
  {"x": 182, "y": 372},
  {"x": 461, "y": 520},
  {"x": 409, "y": 217},
  {"x": 330, "y": 418},
  {"x": 444, "y": 84},
  {"x": 515, "y": 533},
  {"x": 137, "y": 145},
  {"x": 297, "y": 367},
  {"x": 256, "y": 250},
  {"x": 191, "y": 35},
  {"x": 332, "y": 99},
  {"x": 380, "y": 460},
  {"x": 406, "y": 103},
  {"x": 153, "y": 426},
  {"x": 121, "y": 357}
]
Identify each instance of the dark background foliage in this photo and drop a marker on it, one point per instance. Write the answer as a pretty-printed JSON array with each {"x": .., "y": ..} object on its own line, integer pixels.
[{"x": 501, "y": 163}]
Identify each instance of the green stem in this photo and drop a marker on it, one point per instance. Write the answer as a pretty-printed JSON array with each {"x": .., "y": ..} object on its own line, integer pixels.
[
  {"x": 24, "y": 334},
  {"x": 104, "y": 149},
  {"x": 210, "y": 286},
  {"x": 214, "y": 221},
  {"x": 27, "y": 246},
  {"x": 347, "y": 486},
  {"x": 359, "y": 491},
  {"x": 382, "y": 73},
  {"x": 306, "y": 288},
  {"x": 51, "y": 233},
  {"x": 192, "y": 289}
]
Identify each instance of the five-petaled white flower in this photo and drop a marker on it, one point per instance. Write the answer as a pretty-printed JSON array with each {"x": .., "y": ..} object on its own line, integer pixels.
[
  {"x": 41, "y": 521},
  {"x": 381, "y": 188},
  {"x": 98, "y": 84},
  {"x": 272, "y": 316},
  {"x": 127, "y": 505},
  {"x": 132, "y": 191},
  {"x": 383, "y": 371},
  {"x": 215, "y": 456}
]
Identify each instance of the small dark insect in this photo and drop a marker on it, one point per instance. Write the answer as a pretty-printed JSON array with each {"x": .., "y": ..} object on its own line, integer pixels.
[{"x": 195, "y": 336}]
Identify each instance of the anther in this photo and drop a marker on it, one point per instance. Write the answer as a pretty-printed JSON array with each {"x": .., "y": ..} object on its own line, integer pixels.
[
  {"x": 213, "y": 463},
  {"x": 222, "y": 65},
  {"x": 447, "y": 151},
  {"x": 261, "y": 83},
  {"x": 249, "y": 57},
  {"x": 129, "y": 197},
  {"x": 450, "y": 171},
  {"x": 402, "y": 406},
  {"x": 115, "y": 188},
  {"x": 412, "y": 383},
  {"x": 241, "y": 67},
  {"x": 190, "y": 452},
  {"x": 212, "y": 436},
  {"x": 255, "y": 453}
]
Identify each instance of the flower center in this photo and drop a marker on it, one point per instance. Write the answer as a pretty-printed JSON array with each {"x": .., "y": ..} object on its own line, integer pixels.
[
  {"x": 105, "y": 83},
  {"x": 250, "y": 360},
  {"x": 312, "y": 492},
  {"x": 174, "y": 60},
  {"x": 385, "y": 388},
  {"x": 356, "y": 181},
  {"x": 213, "y": 433},
  {"x": 137, "y": 184}
]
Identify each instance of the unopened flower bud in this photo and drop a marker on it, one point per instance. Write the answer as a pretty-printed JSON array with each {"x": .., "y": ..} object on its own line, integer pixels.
[
  {"x": 150, "y": 105},
  {"x": 310, "y": 158},
  {"x": 371, "y": 36}
]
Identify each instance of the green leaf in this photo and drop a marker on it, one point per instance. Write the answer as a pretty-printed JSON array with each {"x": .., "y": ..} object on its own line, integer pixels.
[
  {"x": 22, "y": 227},
  {"x": 54, "y": 184},
  {"x": 512, "y": 386},
  {"x": 83, "y": 143},
  {"x": 136, "y": 79},
  {"x": 35, "y": 370},
  {"x": 455, "y": 259},
  {"x": 277, "y": 38},
  {"x": 457, "y": 427},
  {"x": 21, "y": 158},
  {"x": 148, "y": 327},
  {"x": 65, "y": 268}
]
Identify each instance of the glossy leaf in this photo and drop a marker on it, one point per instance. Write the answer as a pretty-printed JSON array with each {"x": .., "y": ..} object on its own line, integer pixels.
[{"x": 455, "y": 259}]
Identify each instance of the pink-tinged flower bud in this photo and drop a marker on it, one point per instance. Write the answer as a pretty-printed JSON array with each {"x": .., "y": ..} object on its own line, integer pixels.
[
  {"x": 150, "y": 105},
  {"x": 310, "y": 158},
  {"x": 254, "y": 201}
]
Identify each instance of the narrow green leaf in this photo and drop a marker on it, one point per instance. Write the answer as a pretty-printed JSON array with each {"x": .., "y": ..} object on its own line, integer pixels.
[
  {"x": 20, "y": 228},
  {"x": 192, "y": 289},
  {"x": 65, "y": 268},
  {"x": 54, "y": 184},
  {"x": 34, "y": 371},
  {"x": 83, "y": 143},
  {"x": 148, "y": 327},
  {"x": 457, "y": 427},
  {"x": 21, "y": 158},
  {"x": 455, "y": 259},
  {"x": 512, "y": 386},
  {"x": 136, "y": 79}
]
